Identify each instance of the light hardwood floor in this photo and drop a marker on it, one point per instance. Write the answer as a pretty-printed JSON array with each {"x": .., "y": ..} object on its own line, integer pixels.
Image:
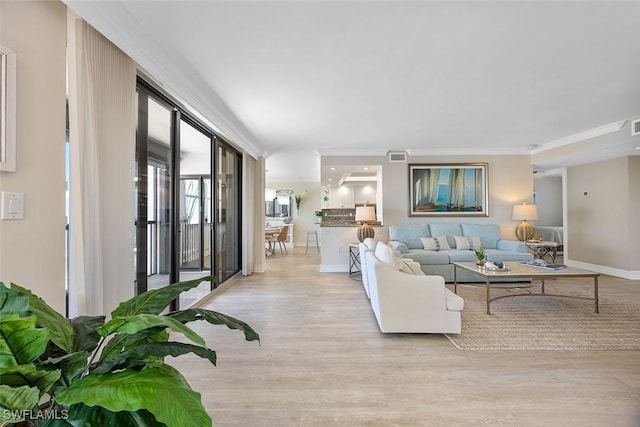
[{"x": 324, "y": 362}]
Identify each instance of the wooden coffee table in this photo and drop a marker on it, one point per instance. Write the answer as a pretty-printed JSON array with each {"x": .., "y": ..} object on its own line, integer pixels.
[{"x": 519, "y": 271}]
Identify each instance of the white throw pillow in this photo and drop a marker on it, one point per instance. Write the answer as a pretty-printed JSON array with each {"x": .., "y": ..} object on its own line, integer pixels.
[
  {"x": 409, "y": 269},
  {"x": 443, "y": 243},
  {"x": 467, "y": 243},
  {"x": 429, "y": 244}
]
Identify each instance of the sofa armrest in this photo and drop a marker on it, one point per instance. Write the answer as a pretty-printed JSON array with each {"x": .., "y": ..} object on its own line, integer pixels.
[
  {"x": 512, "y": 245},
  {"x": 398, "y": 246}
]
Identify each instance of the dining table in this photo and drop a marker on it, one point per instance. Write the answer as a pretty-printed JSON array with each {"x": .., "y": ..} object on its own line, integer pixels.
[{"x": 269, "y": 234}]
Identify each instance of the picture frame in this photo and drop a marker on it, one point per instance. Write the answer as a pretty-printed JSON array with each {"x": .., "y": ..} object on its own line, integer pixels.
[
  {"x": 448, "y": 189},
  {"x": 7, "y": 109}
]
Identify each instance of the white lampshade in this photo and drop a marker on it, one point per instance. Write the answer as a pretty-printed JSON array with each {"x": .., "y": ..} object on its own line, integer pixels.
[
  {"x": 524, "y": 212},
  {"x": 365, "y": 213}
]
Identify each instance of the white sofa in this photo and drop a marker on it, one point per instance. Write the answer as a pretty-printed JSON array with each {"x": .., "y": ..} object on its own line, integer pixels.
[{"x": 404, "y": 299}]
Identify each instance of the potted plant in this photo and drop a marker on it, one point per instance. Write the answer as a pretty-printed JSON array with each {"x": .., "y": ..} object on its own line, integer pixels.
[
  {"x": 298, "y": 198},
  {"x": 85, "y": 371},
  {"x": 481, "y": 256},
  {"x": 319, "y": 215}
]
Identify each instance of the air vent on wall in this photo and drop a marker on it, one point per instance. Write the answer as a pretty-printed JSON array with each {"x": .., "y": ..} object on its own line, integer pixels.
[
  {"x": 397, "y": 157},
  {"x": 635, "y": 127}
]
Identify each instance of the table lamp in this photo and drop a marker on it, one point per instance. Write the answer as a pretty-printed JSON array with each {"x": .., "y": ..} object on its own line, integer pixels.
[
  {"x": 524, "y": 212},
  {"x": 364, "y": 214}
]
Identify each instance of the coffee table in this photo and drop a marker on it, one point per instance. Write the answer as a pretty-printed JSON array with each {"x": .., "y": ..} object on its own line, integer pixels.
[{"x": 519, "y": 271}]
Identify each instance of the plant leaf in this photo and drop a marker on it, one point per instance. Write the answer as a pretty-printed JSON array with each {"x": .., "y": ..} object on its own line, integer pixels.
[
  {"x": 59, "y": 326},
  {"x": 71, "y": 366},
  {"x": 16, "y": 399},
  {"x": 20, "y": 342},
  {"x": 154, "y": 301},
  {"x": 30, "y": 375},
  {"x": 85, "y": 334},
  {"x": 135, "y": 357},
  {"x": 135, "y": 324},
  {"x": 13, "y": 302},
  {"x": 121, "y": 342},
  {"x": 215, "y": 318},
  {"x": 83, "y": 415},
  {"x": 162, "y": 392}
]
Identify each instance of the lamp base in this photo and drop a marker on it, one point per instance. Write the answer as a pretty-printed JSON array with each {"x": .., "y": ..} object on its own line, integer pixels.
[
  {"x": 365, "y": 231},
  {"x": 525, "y": 231}
]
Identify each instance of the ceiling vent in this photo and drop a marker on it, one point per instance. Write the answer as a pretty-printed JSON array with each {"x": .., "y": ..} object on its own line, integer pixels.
[
  {"x": 397, "y": 157},
  {"x": 635, "y": 127}
]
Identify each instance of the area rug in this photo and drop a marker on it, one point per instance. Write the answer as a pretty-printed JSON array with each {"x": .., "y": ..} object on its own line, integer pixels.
[{"x": 545, "y": 323}]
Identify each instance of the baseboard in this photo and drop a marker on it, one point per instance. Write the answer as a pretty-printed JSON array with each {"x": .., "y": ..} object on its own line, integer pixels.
[
  {"x": 602, "y": 269},
  {"x": 335, "y": 268}
]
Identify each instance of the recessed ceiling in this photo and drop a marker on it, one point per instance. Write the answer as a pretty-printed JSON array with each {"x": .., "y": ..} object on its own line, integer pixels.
[{"x": 365, "y": 77}]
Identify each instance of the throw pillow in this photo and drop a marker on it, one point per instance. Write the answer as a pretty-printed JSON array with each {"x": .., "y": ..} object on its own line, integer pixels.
[
  {"x": 443, "y": 243},
  {"x": 464, "y": 243},
  {"x": 405, "y": 267},
  {"x": 429, "y": 243}
]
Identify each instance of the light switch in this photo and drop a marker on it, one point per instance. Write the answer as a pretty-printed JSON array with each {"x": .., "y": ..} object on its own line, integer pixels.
[{"x": 12, "y": 205}]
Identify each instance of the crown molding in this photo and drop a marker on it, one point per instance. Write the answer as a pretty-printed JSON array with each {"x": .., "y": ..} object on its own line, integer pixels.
[{"x": 582, "y": 136}]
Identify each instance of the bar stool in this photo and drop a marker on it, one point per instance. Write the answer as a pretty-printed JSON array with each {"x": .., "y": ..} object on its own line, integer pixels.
[{"x": 314, "y": 235}]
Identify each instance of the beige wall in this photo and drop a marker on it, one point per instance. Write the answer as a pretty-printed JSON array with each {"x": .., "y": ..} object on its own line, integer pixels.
[
  {"x": 598, "y": 224},
  {"x": 32, "y": 250}
]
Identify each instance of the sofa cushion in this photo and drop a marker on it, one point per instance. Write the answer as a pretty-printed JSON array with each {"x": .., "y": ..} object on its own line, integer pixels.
[
  {"x": 489, "y": 233},
  {"x": 385, "y": 254},
  {"x": 453, "y": 302},
  {"x": 467, "y": 243},
  {"x": 498, "y": 255},
  {"x": 409, "y": 234},
  {"x": 427, "y": 257},
  {"x": 369, "y": 243},
  {"x": 446, "y": 229},
  {"x": 457, "y": 255}
]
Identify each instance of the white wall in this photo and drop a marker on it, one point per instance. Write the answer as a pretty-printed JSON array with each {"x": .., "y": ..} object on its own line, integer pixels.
[{"x": 32, "y": 251}]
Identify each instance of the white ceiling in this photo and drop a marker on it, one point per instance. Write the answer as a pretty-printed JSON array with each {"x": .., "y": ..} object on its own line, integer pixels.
[{"x": 365, "y": 77}]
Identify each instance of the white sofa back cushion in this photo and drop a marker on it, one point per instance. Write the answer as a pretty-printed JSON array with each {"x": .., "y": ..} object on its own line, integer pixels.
[{"x": 385, "y": 254}]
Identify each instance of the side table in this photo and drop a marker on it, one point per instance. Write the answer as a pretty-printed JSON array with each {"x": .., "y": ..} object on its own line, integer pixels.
[
  {"x": 355, "y": 269},
  {"x": 543, "y": 248}
]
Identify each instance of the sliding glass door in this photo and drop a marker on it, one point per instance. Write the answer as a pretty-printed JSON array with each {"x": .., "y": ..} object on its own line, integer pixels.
[{"x": 180, "y": 210}]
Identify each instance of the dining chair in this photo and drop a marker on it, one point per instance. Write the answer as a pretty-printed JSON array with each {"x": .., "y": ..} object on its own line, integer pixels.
[{"x": 280, "y": 239}]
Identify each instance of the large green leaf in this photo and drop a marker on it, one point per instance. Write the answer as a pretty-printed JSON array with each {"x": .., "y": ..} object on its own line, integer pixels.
[
  {"x": 59, "y": 327},
  {"x": 136, "y": 357},
  {"x": 215, "y": 318},
  {"x": 160, "y": 391},
  {"x": 16, "y": 399},
  {"x": 154, "y": 301},
  {"x": 122, "y": 342},
  {"x": 30, "y": 375},
  {"x": 82, "y": 415},
  {"x": 20, "y": 342},
  {"x": 85, "y": 334},
  {"x": 13, "y": 302},
  {"x": 135, "y": 324}
]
